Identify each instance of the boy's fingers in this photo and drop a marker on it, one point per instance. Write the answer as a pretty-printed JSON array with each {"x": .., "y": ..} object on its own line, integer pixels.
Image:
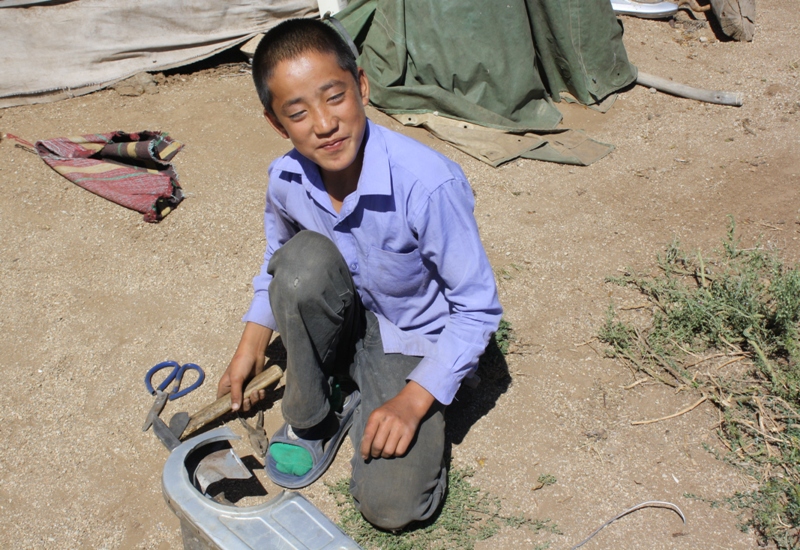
[
  {"x": 236, "y": 394},
  {"x": 385, "y": 435},
  {"x": 252, "y": 399},
  {"x": 366, "y": 439},
  {"x": 390, "y": 447},
  {"x": 398, "y": 443},
  {"x": 238, "y": 371},
  {"x": 379, "y": 441},
  {"x": 402, "y": 445},
  {"x": 224, "y": 386}
]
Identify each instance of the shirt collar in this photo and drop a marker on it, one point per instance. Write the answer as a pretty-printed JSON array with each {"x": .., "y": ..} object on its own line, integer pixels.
[{"x": 376, "y": 176}]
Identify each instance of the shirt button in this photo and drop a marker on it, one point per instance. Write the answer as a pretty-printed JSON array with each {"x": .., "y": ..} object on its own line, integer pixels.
[{"x": 354, "y": 266}]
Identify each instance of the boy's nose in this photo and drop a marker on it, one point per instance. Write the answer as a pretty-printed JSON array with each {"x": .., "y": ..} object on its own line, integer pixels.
[{"x": 325, "y": 123}]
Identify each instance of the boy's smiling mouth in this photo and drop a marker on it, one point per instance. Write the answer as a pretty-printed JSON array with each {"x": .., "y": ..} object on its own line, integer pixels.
[{"x": 333, "y": 144}]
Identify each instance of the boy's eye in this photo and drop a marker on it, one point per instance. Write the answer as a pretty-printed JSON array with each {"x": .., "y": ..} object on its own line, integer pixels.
[
  {"x": 336, "y": 97},
  {"x": 297, "y": 116}
]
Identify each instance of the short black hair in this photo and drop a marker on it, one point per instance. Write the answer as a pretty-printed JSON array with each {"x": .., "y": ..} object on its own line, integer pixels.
[{"x": 291, "y": 39}]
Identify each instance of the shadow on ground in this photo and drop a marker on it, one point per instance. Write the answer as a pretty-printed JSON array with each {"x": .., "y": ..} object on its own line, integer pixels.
[{"x": 472, "y": 404}]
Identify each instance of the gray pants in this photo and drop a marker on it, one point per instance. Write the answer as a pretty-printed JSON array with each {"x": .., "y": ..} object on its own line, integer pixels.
[{"x": 327, "y": 331}]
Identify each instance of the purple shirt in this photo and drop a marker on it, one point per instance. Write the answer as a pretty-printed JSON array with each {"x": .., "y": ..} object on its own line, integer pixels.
[{"x": 410, "y": 239}]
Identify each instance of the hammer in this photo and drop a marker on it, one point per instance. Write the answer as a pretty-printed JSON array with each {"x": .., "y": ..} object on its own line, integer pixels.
[{"x": 222, "y": 406}]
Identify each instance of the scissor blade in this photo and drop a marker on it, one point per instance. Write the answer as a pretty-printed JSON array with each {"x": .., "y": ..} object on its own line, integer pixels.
[{"x": 155, "y": 410}]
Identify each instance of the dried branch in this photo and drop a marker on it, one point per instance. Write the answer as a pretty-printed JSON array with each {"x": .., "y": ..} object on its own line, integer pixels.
[{"x": 679, "y": 413}]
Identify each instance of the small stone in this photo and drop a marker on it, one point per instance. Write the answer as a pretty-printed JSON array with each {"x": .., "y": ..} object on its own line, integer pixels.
[
  {"x": 597, "y": 435},
  {"x": 138, "y": 84},
  {"x": 653, "y": 90},
  {"x": 703, "y": 39}
]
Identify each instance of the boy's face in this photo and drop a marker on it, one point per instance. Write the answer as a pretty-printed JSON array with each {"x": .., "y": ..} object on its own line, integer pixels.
[{"x": 320, "y": 107}]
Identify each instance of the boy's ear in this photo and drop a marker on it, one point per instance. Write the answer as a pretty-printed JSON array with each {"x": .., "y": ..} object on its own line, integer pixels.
[
  {"x": 275, "y": 123},
  {"x": 363, "y": 86}
]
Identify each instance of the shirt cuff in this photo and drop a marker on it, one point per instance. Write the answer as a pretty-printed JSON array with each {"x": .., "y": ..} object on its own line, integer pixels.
[
  {"x": 260, "y": 312},
  {"x": 437, "y": 379}
]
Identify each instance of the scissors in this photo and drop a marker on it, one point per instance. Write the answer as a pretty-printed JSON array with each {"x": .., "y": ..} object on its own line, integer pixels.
[{"x": 160, "y": 392}]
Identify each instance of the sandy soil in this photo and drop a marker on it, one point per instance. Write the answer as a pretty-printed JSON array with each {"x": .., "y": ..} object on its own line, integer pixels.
[{"x": 92, "y": 297}]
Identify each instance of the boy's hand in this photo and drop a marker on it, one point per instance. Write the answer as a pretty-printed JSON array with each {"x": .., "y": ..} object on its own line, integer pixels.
[
  {"x": 247, "y": 362},
  {"x": 392, "y": 426}
]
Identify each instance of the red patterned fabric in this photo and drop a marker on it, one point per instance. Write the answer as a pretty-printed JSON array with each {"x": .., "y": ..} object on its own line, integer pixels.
[{"x": 132, "y": 170}]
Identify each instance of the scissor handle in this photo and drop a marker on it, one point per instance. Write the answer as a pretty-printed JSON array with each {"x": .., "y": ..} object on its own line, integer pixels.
[
  {"x": 179, "y": 377},
  {"x": 163, "y": 365}
]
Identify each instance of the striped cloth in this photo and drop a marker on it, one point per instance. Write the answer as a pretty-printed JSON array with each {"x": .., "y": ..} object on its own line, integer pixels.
[{"x": 132, "y": 170}]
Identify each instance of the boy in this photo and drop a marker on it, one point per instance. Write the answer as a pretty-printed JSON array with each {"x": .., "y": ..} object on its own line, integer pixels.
[{"x": 374, "y": 275}]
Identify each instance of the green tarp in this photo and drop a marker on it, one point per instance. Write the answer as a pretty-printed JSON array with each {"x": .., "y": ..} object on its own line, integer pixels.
[{"x": 498, "y": 64}]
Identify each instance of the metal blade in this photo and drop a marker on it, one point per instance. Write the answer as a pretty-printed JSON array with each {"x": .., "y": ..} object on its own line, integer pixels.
[
  {"x": 165, "y": 434},
  {"x": 220, "y": 465},
  {"x": 178, "y": 423},
  {"x": 155, "y": 410},
  {"x": 258, "y": 437}
]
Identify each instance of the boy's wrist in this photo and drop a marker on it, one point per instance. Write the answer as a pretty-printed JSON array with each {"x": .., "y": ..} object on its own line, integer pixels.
[
  {"x": 255, "y": 339},
  {"x": 417, "y": 399}
]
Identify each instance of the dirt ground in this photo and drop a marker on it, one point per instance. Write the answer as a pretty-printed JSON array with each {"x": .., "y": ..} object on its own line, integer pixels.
[{"x": 92, "y": 296}]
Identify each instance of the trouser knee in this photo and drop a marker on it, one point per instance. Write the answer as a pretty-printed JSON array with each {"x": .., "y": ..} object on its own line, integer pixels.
[
  {"x": 400, "y": 494},
  {"x": 388, "y": 510},
  {"x": 303, "y": 265}
]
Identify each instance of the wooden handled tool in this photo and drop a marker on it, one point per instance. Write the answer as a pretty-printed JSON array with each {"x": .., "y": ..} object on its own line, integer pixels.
[{"x": 222, "y": 405}]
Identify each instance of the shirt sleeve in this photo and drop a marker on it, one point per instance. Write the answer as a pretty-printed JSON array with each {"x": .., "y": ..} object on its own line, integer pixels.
[
  {"x": 278, "y": 230},
  {"x": 449, "y": 239}
]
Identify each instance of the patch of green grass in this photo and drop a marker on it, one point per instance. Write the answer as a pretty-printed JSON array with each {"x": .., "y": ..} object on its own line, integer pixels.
[
  {"x": 504, "y": 336},
  {"x": 616, "y": 333},
  {"x": 468, "y": 515},
  {"x": 492, "y": 362},
  {"x": 547, "y": 479},
  {"x": 735, "y": 305}
]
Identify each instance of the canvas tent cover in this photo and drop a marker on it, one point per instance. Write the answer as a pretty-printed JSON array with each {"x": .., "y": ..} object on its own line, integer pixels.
[
  {"x": 56, "y": 49},
  {"x": 497, "y": 64},
  {"x": 492, "y": 65}
]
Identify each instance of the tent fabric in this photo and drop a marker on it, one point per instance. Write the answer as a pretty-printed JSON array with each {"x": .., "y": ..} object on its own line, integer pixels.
[
  {"x": 55, "y": 50},
  {"x": 497, "y": 147},
  {"x": 496, "y": 65}
]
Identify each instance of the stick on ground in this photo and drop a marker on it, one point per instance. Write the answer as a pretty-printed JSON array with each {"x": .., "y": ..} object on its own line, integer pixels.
[{"x": 684, "y": 411}]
